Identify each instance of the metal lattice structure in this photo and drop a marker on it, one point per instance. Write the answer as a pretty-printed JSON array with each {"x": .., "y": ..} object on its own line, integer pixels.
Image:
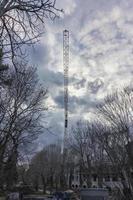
[
  {"x": 66, "y": 69},
  {"x": 63, "y": 178}
]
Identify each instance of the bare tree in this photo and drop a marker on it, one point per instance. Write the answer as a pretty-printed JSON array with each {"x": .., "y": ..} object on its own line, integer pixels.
[
  {"x": 87, "y": 149},
  {"x": 22, "y": 106},
  {"x": 21, "y": 23},
  {"x": 117, "y": 135},
  {"x": 45, "y": 168},
  {"x": 3, "y": 67}
]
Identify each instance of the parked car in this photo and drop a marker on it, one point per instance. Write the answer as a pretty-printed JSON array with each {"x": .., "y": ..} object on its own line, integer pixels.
[
  {"x": 14, "y": 195},
  {"x": 65, "y": 195}
]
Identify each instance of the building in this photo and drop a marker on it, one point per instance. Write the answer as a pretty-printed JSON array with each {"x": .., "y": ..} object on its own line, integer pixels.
[{"x": 108, "y": 179}]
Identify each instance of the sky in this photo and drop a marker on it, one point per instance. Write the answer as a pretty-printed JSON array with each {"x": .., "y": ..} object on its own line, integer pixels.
[{"x": 101, "y": 58}]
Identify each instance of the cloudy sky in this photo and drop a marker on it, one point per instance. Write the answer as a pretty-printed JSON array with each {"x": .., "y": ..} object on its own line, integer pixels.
[{"x": 101, "y": 56}]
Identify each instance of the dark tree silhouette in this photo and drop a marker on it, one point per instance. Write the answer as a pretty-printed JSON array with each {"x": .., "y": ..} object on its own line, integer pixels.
[
  {"x": 22, "y": 22},
  {"x": 22, "y": 106}
]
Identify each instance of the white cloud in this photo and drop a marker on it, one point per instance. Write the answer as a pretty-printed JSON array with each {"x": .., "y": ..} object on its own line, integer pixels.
[
  {"x": 69, "y": 5},
  {"x": 101, "y": 37},
  {"x": 116, "y": 13}
]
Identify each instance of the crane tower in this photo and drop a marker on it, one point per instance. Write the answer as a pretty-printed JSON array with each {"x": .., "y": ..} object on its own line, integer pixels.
[{"x": 66, "y": 69}]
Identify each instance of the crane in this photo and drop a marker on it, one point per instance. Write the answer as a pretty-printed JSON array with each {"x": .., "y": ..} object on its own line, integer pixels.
[{"x": 66, "y": 70}]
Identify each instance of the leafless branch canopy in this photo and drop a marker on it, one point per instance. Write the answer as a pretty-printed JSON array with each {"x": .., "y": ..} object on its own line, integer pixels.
[{"x": 21, "y": 22}]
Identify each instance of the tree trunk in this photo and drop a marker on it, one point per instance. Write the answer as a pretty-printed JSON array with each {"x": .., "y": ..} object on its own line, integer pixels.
[
  {"x": 11, "y": 169},
  {"x": 70, "y": 178},
  {"x": 44, "y": 183}
]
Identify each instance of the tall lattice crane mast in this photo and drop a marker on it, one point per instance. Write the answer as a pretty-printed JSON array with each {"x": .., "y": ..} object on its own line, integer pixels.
[{"x": 66, "y": 69}]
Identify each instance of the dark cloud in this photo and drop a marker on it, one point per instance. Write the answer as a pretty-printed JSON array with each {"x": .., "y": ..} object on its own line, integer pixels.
[
  {"x": 95, "y": 34},
  {"x": 52, "y": 78},
  {"x": 40, "y": 58},
  {"x": 80, "y": 84},
  {"x": 59, "y": 100},
  {"x": 39, "y": 55},
  {"x": 94, "y": 86},
  {"x": 84, "y": 103}
]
